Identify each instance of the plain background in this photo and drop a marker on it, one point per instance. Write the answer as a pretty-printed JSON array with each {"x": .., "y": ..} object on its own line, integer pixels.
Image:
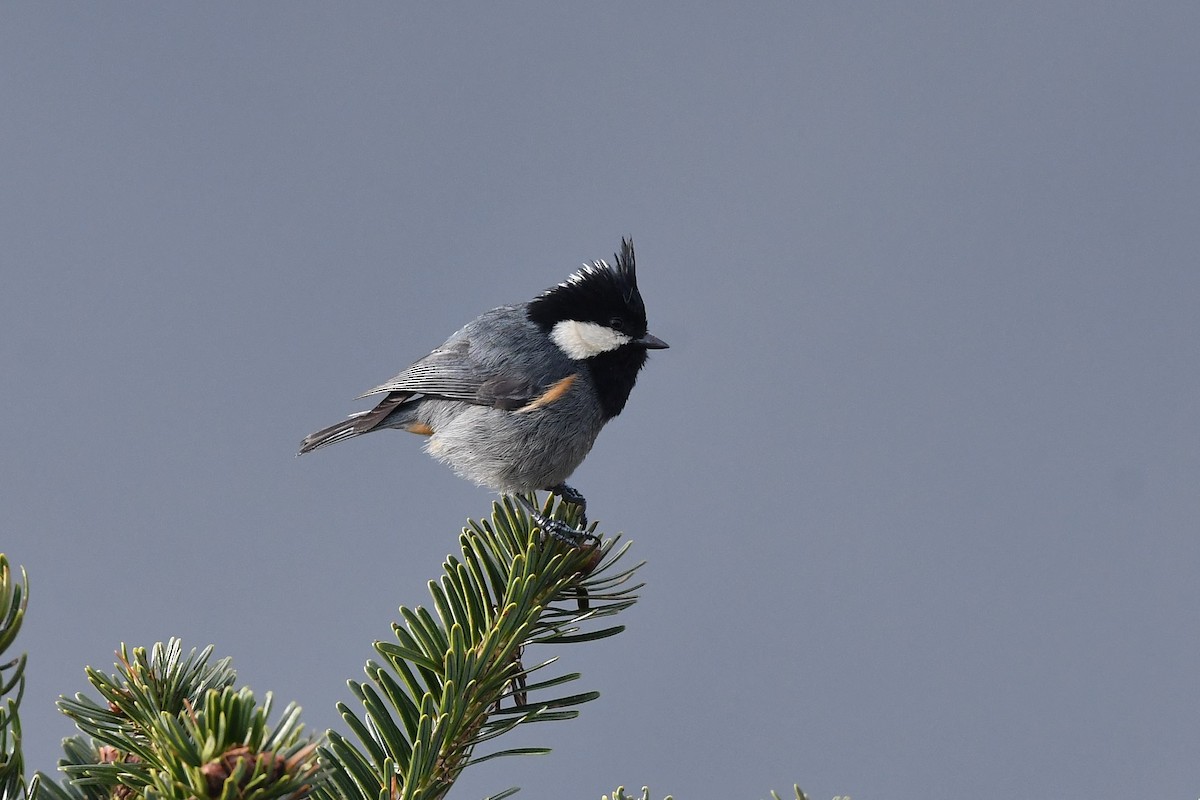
[{"x": 917, "y": 483}]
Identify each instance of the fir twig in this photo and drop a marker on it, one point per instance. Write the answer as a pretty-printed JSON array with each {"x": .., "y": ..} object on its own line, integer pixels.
[
  {"x": 174, "y": 727},
  {"x": 454, "y": 677}
]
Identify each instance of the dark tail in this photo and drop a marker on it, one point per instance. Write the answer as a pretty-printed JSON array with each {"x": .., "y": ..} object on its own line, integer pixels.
[{"x": 354, "y": 425}]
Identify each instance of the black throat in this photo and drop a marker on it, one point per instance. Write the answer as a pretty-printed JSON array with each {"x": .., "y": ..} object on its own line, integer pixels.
[{"x": 613, "y": 375}]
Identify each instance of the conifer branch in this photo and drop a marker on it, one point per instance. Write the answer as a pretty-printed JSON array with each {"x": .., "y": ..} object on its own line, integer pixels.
[
  {"x": 174, "y": 727},
  {"x": 442, "y": 686}
]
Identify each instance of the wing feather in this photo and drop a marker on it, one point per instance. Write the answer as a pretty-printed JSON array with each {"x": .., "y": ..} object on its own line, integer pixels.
[{"x": 461, "y": 370}]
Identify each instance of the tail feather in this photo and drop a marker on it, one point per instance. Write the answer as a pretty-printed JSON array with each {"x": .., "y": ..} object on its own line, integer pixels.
[{"x": 354, "y": 425}]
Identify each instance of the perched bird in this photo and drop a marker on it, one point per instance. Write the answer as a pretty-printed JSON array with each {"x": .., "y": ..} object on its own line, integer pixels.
[{"x": 515, "y": 399}]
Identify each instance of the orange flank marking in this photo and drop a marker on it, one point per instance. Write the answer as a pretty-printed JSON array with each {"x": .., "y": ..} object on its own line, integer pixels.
[
  {"x": 419, "y": 428},
  {"x": 551, "y": 395}
]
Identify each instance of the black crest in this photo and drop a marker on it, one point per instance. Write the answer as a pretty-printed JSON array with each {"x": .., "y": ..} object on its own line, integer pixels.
[{"x": 598, "y": 292}]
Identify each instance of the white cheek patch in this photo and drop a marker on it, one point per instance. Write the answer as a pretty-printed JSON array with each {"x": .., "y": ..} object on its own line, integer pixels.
[{"x": 580, "y": 340}]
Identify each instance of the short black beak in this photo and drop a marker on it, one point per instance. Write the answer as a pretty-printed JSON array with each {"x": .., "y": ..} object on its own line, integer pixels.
[{"x": 651, "y": 342}]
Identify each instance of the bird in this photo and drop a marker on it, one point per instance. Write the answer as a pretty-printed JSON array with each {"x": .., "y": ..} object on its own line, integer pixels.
[{"x": 514, "y": 400}]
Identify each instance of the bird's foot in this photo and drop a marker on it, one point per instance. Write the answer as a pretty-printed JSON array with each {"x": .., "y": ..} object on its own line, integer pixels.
[
  {"x": 564, "y": 532},
  {"x": 573, "y": 497}
]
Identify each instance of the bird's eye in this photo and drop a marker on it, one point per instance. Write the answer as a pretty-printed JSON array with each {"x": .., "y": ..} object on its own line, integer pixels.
[{"x": 617, "y": 324}]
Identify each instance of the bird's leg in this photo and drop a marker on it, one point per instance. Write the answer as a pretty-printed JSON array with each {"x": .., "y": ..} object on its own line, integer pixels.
[
  {"x": 555, "y": 527},
  {"x": 576, "y": 499},
  {"x": 573, "y": 497}
]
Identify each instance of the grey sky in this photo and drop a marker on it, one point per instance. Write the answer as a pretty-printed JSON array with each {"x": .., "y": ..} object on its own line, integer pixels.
[{"x": 918, "y": 482}]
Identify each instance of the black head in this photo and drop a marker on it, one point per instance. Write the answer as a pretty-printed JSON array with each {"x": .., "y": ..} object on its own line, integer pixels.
[
  {"x": 598, "y": 293},
  {"x": 597, "y": 316}
]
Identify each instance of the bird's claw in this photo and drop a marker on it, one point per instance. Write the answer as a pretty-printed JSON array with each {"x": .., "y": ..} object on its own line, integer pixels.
[
  {"x": 575, "y": 498},
  {"x": 559, "y": 529}
]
